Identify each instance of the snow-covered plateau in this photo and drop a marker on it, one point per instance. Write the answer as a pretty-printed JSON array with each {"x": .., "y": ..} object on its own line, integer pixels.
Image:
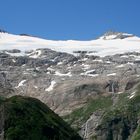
[{"x": 109, "y": 44}]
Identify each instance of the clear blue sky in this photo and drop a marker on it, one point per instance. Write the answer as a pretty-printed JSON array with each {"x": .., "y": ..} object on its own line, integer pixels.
[{"x": 69, "y": 19}]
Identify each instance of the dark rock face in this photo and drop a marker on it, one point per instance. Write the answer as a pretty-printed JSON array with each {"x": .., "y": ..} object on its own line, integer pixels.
[
  {"x": 47, "y": 57},
  {"x": 130, "y": 84},
  {"x": 2, "y": 31},
  {"x": 5, "y": 86},
  {"x": 58, "y": 56},
  {"x": 14, "y": 51},
  {"x": 25, "y": 34},
  {"x": 117, "y": 129},
  {"x": 113, "y": 86},
  {"x": 117, "y": 35},
  {"x": 1, "y": 122},
  {"x": 3, "y": 55}
]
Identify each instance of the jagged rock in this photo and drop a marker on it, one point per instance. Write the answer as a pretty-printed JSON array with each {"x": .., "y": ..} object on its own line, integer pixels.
[
  {"x": 3, "y": 55},
  {"x": 116, "y": 35},
  {"x": 91, "y": 124},
  {"x": 13, "y": 51}
]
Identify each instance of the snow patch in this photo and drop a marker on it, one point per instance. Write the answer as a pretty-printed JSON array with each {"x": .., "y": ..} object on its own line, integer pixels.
[
  {"x": 124, "y": 56},
  {"x": 15, "y": 54},
  {"x": 84, "y": 59},
  {"x": 21, "y": 83},
  {"x": 50, "y": 69},
  {"x": 132, "y": 95},
  {"x": 120, "y": 66},
  {"x": 130, "y": 63},
  {"x": 35, "y": 87},
  {"x": 51, "y": 87},
  {"x": 111, "y": 74},
  {"x": 59, "y": 63},
  {"x": 86, "y": 66},
  {"x": 90, "y": 73},
  {"x": 108, "y": 62},
  {"x": 35, "y": 54},
  {"x": 61, "y": 74},
  {"x": 120, "y": 92},
  {"x": 13, "y": 60},
  {"x": 98, "y": 60}
]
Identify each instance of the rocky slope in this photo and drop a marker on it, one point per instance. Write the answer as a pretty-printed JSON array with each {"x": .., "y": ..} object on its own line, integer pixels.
[
  {"x": 80, "y": 85},
  {"x": 27, "y": 118}
]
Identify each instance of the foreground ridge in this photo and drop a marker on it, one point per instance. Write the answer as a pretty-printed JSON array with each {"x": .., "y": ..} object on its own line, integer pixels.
[{"x": 27, "y": 118}]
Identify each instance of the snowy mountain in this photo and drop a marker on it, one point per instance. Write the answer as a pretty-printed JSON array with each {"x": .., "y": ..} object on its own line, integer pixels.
[
  {"x": 109, "y": 44},
  {"x": 83, "y": 81}
]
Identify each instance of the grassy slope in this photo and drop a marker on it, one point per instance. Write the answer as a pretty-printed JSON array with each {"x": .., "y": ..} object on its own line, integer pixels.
[
  {"x": 29, "y": 119},
  {"x": 79, "y": 116},
  {"x": 120, "y": 119}
]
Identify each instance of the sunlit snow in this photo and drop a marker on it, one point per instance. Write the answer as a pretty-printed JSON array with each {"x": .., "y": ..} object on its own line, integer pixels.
[
  {"x": 50, "y": 88},
  {"x": 99, "y": 46},
  {"x": 21, "y": 83}
]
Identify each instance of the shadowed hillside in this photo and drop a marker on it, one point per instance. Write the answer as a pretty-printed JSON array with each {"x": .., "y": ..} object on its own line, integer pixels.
[{"x": 24, "y": 118}]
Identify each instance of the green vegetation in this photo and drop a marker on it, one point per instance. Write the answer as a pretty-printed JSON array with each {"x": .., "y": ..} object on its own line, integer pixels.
[
  {"x": 136, "y": 135},
  {"x": 82, "y": 114},
  {"x": 122, "y": 119},
  {"x": 29, "y": 119},
  {"x": 1, "y": 99},
  {"x": 118, "y": 121}
]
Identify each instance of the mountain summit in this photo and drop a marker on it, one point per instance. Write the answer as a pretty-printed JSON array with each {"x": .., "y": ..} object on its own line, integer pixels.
[
  {"x": 115, "y": 35},
  {"x": 2, "y": 31}
]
